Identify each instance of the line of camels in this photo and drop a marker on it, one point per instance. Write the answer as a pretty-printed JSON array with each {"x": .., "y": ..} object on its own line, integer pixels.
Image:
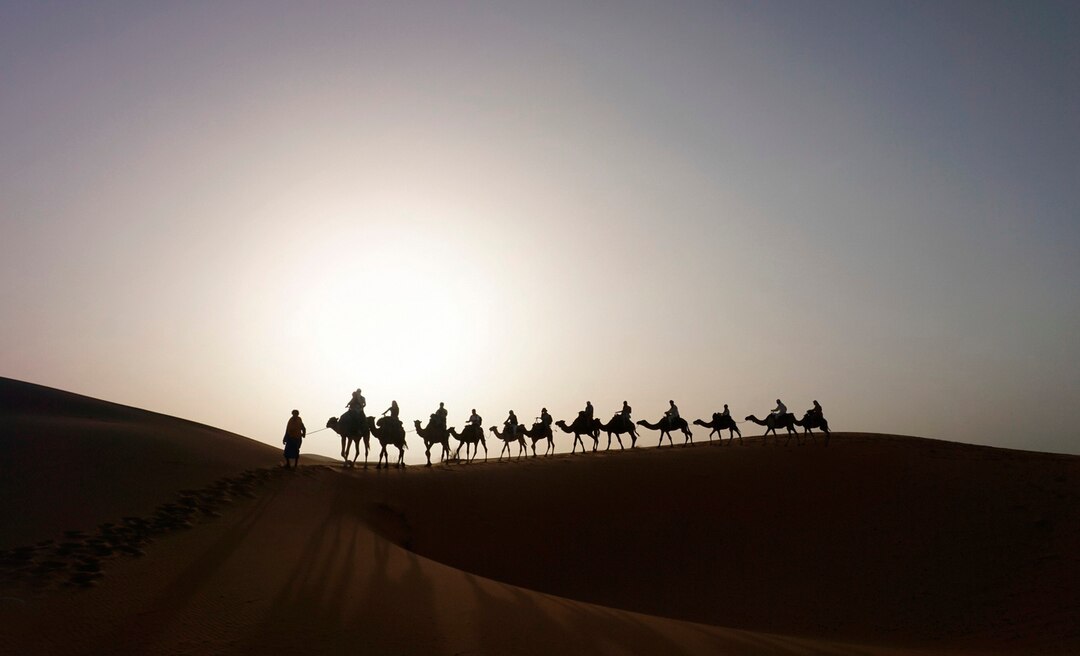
[{"x": 390, "y": 432}]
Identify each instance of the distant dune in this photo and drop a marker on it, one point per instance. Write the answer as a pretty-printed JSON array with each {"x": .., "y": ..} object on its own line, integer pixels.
[{"x": 876, "y": 544}]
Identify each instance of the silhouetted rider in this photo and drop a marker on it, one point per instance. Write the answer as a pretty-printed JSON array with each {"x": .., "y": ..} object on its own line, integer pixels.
[
  {"x": 475, "y": 419},
  {"x": 511, "y": 424},
  {"x": 439, "y": 417},
  {"x": 544, "y": 417},
  {"x": 780, "y": 410},
  {"x": 394, "y": 412},
  {"x": 672, "y": 413}
]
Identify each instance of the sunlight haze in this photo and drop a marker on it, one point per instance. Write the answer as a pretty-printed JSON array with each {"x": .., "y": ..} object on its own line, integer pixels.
[{"x": 225, "y": 211}]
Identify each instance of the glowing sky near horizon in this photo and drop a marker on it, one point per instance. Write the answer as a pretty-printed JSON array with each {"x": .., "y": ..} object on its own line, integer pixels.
[{"x": 223, "y": 211}]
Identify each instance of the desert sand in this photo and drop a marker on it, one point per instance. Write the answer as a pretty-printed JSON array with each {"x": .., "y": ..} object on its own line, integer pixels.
[{"x": 127, "y": 531}]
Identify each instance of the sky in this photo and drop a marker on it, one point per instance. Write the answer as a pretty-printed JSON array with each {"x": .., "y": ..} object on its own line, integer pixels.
[{"x": 227, "y": 210}]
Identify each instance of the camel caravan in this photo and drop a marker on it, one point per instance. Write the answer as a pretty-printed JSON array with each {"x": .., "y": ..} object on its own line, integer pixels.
[{"x": 354, "y": 427}]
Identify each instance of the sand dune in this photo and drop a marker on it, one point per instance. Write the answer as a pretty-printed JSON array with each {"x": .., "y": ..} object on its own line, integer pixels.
[{"x": 875, "y": 545}]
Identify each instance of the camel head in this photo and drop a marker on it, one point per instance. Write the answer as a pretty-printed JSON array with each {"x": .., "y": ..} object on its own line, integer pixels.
[
  {"x": 416, "y": 422},
  {"x": 332, "y": 423}
]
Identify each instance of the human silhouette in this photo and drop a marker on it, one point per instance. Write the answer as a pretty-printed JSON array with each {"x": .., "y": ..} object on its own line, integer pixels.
[
  {"x": 393, "y": 410},
  {"x": 672, "y": 413},
  {"x": 511, "y": 424},
  {"x": 544, "y": 418},
  {"x": 440, "y": 416},
  {"x": 587, "y": 413},
  {"x": 726, "y": 413},
  {"x": 475, "y": 419},
  {"x": 295, "y": 431},
  {"x": 816, "y": 410},
  {"x": 354, "y": 420},
  {"x": 780, "y": 410}
]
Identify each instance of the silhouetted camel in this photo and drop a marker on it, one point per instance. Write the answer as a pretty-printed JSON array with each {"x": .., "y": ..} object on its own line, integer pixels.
[
  {"x": 350, "y": 433},
  {"x": 718, "y": 423},
  {"x": 507, "y": 438},
  {"x": 665, "y": 426},
  {"x": 469, "y": 435},
  {"x": 538, "y": 432},
  {"x": 388, "y": 431},
  {"x": 580, "y": 427},
  {"x": 810, "y": 421},
  {"x": 433, "y": 435},
  {"x": 617, "y": 426},
  {"x": 772, "y": 423}
]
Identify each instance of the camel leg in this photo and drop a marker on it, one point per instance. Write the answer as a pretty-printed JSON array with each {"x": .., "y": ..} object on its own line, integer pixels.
[
  {"x": 618, "y": 437},
  {"x": 427, "y": 453}
]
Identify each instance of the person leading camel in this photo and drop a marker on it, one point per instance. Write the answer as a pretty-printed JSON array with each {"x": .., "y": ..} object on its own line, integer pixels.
[{"x": 295, "y": 431}]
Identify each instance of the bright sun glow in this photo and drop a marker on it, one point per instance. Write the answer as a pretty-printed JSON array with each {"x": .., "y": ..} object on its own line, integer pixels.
[{"x": 395, "y": 304}]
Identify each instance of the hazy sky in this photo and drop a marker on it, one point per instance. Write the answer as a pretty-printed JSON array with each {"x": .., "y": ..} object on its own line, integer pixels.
[{"x": 225, "y": 211}]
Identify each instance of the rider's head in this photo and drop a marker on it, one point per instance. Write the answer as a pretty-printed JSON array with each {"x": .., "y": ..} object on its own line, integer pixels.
[
  {"x": 440, "y": 404},
  {"x": 725, "y": 405},
  {"x": 296, "y": 413},
  {"x": 474, "y": 411},
  {"x": 671, "y": 401},
  {"x": 779, "y": 401}
]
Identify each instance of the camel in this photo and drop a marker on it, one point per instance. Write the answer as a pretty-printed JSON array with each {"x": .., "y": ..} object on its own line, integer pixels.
[
  {"x": 787, "y": 420},
  {"x": 617, "y": 426},
  {"x": 433, "y": 435},
  {"x": 538, "y": 432},
  {"x": 507, "y": 438},
  {"x": 350, "y": 431},
  {"x": 471, "y": 434},
  {"x": 388, "y": 431},
  {"x": 666, "y": 425},
  {"x": 582, "y": 427},
  {"x": 718, "y": 423},
  {"x": 811, "y": 421}
]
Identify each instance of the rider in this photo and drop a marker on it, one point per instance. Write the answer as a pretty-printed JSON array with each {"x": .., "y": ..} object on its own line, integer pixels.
[
  {"x": 356, "y": 406},
  {"x": 816, "y": 410},
  {"x": 357, "y": 402},
  {"x": 439, "y": 417},
  {"x": 587, "y": 413},
  {"x": 780, "y": 410},
  {"x": 511, "y": 424},
  {"x": 394, "y": 412},
  {"x": 672, "y": 413},
  {"x": 726, "y": 413},
  {"x": 544, "y": 417},
  {"x": 474, "y": 419},
  {"x": 624, "y": 414}
]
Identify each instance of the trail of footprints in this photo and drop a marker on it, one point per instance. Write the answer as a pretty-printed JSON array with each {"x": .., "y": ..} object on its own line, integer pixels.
[{"x": 78, "y": 559}]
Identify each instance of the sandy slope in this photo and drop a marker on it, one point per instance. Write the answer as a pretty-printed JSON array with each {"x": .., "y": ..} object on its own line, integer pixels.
[
  {"x": 875, "y": 545},
  {"x": 71, "y": 462}
]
